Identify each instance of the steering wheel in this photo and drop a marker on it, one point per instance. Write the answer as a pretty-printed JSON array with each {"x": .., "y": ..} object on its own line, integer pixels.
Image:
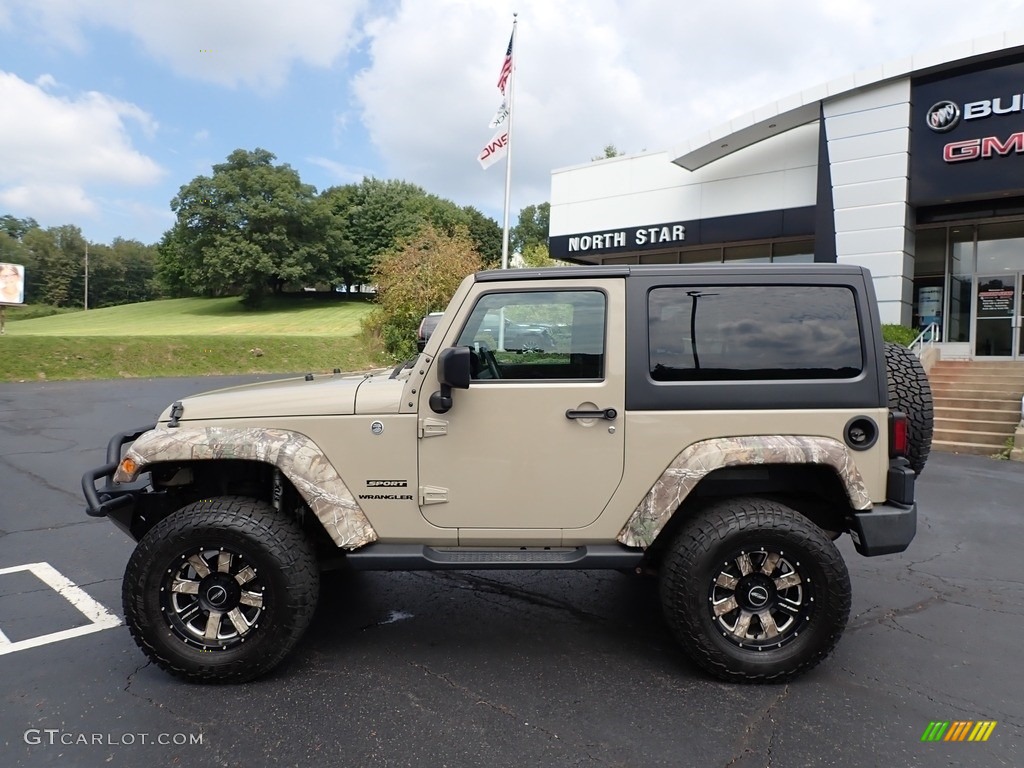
[{"x": 490, "y": 361}]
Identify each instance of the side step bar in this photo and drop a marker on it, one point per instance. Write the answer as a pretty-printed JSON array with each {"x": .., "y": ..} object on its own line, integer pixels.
[{"x": 417, "y": 557}]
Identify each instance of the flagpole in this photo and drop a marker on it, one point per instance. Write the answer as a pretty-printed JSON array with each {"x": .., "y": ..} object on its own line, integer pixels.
[{"x": 508, "y": 158}]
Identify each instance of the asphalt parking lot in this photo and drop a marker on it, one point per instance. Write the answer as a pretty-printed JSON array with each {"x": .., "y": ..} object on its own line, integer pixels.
[{"x": 491, "y": 668}]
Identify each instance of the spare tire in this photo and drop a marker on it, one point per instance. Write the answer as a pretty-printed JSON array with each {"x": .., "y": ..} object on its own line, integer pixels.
[{"x": 910, "y": 393}]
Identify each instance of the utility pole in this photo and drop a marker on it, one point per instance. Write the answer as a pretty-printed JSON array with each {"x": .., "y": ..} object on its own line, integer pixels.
[{"x": 86, "y": 298}]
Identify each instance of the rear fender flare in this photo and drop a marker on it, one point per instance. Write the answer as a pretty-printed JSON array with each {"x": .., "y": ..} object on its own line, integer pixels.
[{"x": 696, "y": 461}]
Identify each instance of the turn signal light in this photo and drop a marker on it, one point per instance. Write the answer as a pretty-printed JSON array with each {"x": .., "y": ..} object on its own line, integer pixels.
[
  {"x": 898, "y": 438},
  {"x": 128, "y": 466}
]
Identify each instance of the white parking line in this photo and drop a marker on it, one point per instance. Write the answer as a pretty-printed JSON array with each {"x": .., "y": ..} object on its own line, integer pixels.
[{"x": 99, "y": 617}]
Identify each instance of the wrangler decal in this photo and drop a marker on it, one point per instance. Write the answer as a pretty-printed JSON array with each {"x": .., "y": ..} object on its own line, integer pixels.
[
  {"x": 700, "y": 459},
  {"x": 298, "y": 457}
]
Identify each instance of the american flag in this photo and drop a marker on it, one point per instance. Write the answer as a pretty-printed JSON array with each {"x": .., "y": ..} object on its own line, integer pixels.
[{"x": 506, "y": 66}]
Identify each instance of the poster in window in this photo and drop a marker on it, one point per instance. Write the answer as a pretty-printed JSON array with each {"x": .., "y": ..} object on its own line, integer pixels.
[{"x": 995, "y": 298}]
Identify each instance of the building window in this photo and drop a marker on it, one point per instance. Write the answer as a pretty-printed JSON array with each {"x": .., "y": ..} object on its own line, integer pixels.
[
  {"x": 701, "y": 256},
  {"x": 961, "y": 282},
  {"x": 929, "y": 277},
  {"x": 748, "y": 254},
  {"x": 793, "y": 252},
  {"x": 660, "y": 258},
  {"x": 1000, "y": 248}
]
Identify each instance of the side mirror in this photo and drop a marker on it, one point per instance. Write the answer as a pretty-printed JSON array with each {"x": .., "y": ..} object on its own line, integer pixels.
[{"x": 452, "y": 373}]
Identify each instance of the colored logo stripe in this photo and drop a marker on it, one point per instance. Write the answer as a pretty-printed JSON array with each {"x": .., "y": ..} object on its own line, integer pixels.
[
  {"x": 958, "y": 730},
  {"x": 982, "y": 731}
]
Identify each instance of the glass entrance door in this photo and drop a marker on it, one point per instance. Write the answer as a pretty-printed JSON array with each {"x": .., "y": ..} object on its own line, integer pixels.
[{"x": 998, "y": 307}]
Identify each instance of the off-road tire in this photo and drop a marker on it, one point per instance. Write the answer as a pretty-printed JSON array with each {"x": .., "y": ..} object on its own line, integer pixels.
[
  {"x": 712, "y": 544},
  {"x": 278, "y": 593},
  {"x": 910, "y": 392}
]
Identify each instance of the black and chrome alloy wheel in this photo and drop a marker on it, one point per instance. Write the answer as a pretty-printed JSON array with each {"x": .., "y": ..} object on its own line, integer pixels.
[
  {"x": 760, "y": 599},
  {"x": 212, "y": 598}
]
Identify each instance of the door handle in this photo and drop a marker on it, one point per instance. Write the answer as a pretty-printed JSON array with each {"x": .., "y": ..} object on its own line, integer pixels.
[{"x": 608, "y": 413}]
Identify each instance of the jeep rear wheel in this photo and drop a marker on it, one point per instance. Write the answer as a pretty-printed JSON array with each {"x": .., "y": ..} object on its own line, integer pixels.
[
  {"x": 754, "y": 591},
  {"x": 220, "y": 590},
  {"x": 910, "y": 392}
]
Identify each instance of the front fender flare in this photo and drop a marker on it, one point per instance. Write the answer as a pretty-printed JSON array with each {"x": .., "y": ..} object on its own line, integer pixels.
[
  {"x": 699, "y": 459},
  {"x": 297, "y": 456}
]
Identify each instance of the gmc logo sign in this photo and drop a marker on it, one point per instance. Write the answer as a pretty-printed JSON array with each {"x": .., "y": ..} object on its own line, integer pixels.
[{"x": 974, "y": 149}]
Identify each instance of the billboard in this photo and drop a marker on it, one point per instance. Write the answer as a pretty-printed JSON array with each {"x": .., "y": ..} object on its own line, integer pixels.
[{"x": 12, "y": 284}]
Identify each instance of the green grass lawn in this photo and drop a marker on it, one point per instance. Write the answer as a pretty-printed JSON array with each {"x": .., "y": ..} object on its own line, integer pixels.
[
  {"x": 187, "y": 337},
  {"x": 201, "y": 317}
]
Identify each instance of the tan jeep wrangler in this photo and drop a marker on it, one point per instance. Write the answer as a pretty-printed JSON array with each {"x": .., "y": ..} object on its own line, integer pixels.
[{"x": 718, "y": 426}]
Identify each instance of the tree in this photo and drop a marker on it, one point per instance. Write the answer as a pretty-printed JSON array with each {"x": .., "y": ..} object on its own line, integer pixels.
[
  {"x": 54, "y": 261},
  {"x": 610, "y": 150},
  {"x": 415, "y": 278},
  {"x": 368, "y": 219},
  {"x": 486, "y": 236},
  {"x": 16, "y": 227},
  {"x": 57, "y": 271},
  {"x": 344, "y": 263},
  {"x": 121, "y": 273},
  {"x": 537, "y": 255},
  {"x": 532, "y": 228},
  {"x": 248, "y": 228}
]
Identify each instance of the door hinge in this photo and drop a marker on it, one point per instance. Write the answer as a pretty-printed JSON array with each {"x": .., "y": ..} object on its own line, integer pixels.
[
  {"x": 433, "y": 427},
  {"x": 431, "y": 495}
]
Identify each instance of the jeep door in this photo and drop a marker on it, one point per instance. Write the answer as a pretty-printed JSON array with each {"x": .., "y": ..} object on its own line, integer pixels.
[{"x": 536, "y": 441}]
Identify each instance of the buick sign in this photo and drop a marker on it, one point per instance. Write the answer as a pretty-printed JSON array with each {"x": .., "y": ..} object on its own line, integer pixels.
[{"x": 943, "y": 116}]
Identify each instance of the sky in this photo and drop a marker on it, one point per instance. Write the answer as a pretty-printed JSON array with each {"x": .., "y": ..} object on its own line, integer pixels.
[{"x": 108, "y": 107}]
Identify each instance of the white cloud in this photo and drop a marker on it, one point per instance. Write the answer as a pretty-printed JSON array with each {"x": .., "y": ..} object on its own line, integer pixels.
[
  {"x": 252, "y": 43},
  {"x": 52, "y": 149},
  {"x": 50, "y": 202},
  {"x": 640, "y": 75},
  {"x": 343, "y": 174}
]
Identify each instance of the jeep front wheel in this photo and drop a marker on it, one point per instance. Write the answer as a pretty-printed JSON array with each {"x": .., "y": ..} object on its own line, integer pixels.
[
  {"x": 754, "y": 591},
  {"x": 220, "y": 590}
]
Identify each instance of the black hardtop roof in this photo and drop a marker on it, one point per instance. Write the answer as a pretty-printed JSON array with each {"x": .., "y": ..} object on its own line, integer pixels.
[{"x": 669, "y": 270}]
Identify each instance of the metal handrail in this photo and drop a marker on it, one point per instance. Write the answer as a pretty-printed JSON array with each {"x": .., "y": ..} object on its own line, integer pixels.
[{"x": 930, "y": 335}]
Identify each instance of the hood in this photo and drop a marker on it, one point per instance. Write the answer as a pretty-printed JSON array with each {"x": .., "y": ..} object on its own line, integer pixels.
[{"x": 323, "y": 395}]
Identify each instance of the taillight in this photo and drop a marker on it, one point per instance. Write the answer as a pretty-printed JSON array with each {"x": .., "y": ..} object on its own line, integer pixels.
[{"x": 898, "y": 439}]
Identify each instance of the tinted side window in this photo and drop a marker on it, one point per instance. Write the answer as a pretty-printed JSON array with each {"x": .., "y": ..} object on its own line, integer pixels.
[
  {"x": 537, "y": 335},
  {"x": 730, "y": 332}
]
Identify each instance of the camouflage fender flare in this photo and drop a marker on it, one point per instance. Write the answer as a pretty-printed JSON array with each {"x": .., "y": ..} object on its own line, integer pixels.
[
  {"x": 298, "y": 457},
  {"x": 700, "y": 459}
]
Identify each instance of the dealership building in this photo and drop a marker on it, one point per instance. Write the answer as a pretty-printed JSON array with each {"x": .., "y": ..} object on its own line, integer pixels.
[{"x": 914, "y": 169}]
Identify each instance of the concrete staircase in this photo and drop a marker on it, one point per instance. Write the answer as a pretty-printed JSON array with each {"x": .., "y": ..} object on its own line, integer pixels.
[{"x": 977, "y": 405}]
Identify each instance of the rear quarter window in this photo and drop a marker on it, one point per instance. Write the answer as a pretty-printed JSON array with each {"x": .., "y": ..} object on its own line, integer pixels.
[{"x": 764, "y": 332}]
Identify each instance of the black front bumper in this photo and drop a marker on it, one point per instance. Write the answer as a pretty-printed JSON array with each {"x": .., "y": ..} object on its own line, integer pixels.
[{"x": 116, "y": 501}]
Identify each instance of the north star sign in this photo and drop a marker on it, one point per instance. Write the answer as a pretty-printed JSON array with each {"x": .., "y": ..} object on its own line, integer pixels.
[{"x": 630, "y": 238}]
